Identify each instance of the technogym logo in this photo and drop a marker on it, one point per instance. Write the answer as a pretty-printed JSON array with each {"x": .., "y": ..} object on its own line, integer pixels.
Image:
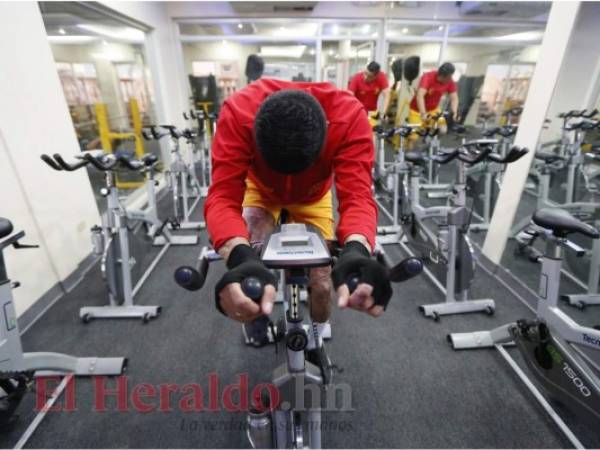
[{"x": 591, "y": 339}]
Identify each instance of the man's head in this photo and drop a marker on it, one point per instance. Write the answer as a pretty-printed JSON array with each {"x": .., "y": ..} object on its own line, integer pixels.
[
  {"x": 372, "y": 70},
  {"x": 445, "y": 72},
  {"x": 290, "y": 130}
]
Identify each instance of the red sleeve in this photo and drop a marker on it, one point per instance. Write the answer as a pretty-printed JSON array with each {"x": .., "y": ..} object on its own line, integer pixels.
[
  {"x": 231, "y": 157},
  {"x": 383, "y": 81},
  {"x": 426, "y": 80},
  {"x": 352, "y": 84},
  {"x": 352, "y": 168},
  {"x": 452, "y": 87}
]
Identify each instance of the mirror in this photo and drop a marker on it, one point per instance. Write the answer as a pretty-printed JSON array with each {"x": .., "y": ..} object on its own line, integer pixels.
[
  {"x": 568, "y": 176},
  {"x": 106, "y": 83}
]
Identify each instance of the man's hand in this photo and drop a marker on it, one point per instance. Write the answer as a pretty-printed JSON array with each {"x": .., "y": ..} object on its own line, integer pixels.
[
  {"x": 242, "y": 263},
  {"x": 374, "y": 289},
  {"x": 237, "y": 306},
  {"x": 424, "y": 117}
]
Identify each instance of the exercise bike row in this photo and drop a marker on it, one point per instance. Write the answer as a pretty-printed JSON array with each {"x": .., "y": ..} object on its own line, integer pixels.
[
  {"x": 104, "y": 163},
  {"x": 539, "y": 340}
]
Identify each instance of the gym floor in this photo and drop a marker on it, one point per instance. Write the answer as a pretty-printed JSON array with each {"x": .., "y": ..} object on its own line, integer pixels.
[{"x": 409, "y": 388}]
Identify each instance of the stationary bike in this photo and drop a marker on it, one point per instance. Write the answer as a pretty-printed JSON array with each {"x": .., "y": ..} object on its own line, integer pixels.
[
  {"x": 563, "y": 355},
  {"x": 449, "y": 245},
  {"x": 181, "y": 177},
  {"x": 111, "y": 241},
  {"x": 295, "y": 421},
  {"x": 17, "y": 368}
]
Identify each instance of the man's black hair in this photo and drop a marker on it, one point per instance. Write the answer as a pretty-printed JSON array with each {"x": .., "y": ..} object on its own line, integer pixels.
[
  {"x": 447, "y": 69},
  {"x": 374, "y": 67},
  {"x": 290, "y": 130}
]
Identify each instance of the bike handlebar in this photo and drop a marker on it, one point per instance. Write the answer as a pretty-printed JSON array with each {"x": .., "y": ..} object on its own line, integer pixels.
[
  {"x": 193, "y": 278},
  {"x": 66, "y": 166}
]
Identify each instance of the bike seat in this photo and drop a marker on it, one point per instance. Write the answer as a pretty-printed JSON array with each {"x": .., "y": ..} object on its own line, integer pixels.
[
  {"x": 459, "y": 129},
  {"x": 548, "y": 157},
  {"x": 404, "y": 131},
  {"x": 491, "y": 132},
  {"x": 513, "y": 155},
  {"x": 6, "y": 227},
  {"x": 415, "y": 157},
  {"x": 561, "y": 222},
  {"x": 149, "y": 159}
]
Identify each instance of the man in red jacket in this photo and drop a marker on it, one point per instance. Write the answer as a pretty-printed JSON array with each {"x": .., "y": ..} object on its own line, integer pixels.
[
  {"x": 281, "y": 145},
  {"x": 368, "y": 85}
]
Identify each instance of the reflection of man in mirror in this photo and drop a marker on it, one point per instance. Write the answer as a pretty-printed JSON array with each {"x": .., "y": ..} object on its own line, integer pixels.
[
  {"x": 255, "y": 67},
  {"x": 426, "y": 103},
  {"x": 368, "y": 85}
]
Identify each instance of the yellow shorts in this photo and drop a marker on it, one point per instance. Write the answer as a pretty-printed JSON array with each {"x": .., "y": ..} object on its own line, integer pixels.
[
  {"x": 415, "y": 117},
  {"x": 318, "y": 214}
]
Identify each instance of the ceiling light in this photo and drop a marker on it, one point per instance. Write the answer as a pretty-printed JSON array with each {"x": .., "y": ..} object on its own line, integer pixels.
[
  {"x": 312, "y": 51},
  {"x": 404, "y": 30},
  {"x": 119, "y": 33},
  {"x": 73, "y": 39},
  {"x": 335, "y": 29},
  {"x": 523, "y": 36},
  {"x": 366, "y": 28},
  {"x": 284, "y": 51},
  {"x": 62, "y": 31},
  {"x": 374, "y": 34},
  {"x": 240, "y": 26},
  {"x": 104, "y": 43},
  {"x": 330, "y": 52},
  {"x": 441, "y": 27}
]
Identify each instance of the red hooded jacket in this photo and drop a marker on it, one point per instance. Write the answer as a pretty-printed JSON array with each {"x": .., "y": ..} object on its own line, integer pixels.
[{"x": 347, "y": 156}]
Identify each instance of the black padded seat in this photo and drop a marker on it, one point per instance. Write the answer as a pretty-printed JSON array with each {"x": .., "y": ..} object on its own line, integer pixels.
[
  {"x": 415, "y": 157},
  {"x": 148, "y": 159},
  {"x": 6, "y": 227},
  {"x": 561, "y": 222},
  {"x": 513, "y": 155},
  {"x": 404, "y": 131},
  {"x": 548, "y": 157}
]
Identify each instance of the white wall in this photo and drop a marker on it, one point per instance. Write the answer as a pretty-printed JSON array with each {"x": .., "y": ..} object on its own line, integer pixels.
[
  {"x": 55, "y": 209},
  {"x": 58, "y": 209}
]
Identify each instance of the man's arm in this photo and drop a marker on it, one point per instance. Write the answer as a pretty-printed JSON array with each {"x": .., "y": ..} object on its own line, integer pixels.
[
  {"x": 231, "y": 156},
  {"x": 421, "y": 102},
  {"x": 454, "y": 105},
  {"x": 386, "y": 100},
  {"x": 352, "y": 167}
]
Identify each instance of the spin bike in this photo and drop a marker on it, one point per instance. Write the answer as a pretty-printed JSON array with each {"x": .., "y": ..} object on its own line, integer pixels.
[
  {"x": 18, "y": 368},
  {"x": 563, "y": 355},
  {"x": 450, "y": 245},
  {"x": 295, "y": 421},
  {"x": 201, "y": 149},
  {"x": 111, "y": 241},
  {"x": 181, "y": 177}
]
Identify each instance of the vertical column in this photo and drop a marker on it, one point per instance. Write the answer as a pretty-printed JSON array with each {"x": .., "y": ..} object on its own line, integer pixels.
[{"x": 559, "y": 28}]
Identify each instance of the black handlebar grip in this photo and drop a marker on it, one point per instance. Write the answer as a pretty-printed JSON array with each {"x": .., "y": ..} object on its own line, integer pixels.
[
  {"x": 66, "y": 166},
  {"x": 253, "y": 288},
  {"x": 48, "y": 160},
  {"x": 188, "y": 278},
  {"x": 406, "y": 269}
]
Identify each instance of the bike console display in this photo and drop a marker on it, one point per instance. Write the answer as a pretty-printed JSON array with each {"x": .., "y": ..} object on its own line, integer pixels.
[{"x": 295, "y": 245}]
